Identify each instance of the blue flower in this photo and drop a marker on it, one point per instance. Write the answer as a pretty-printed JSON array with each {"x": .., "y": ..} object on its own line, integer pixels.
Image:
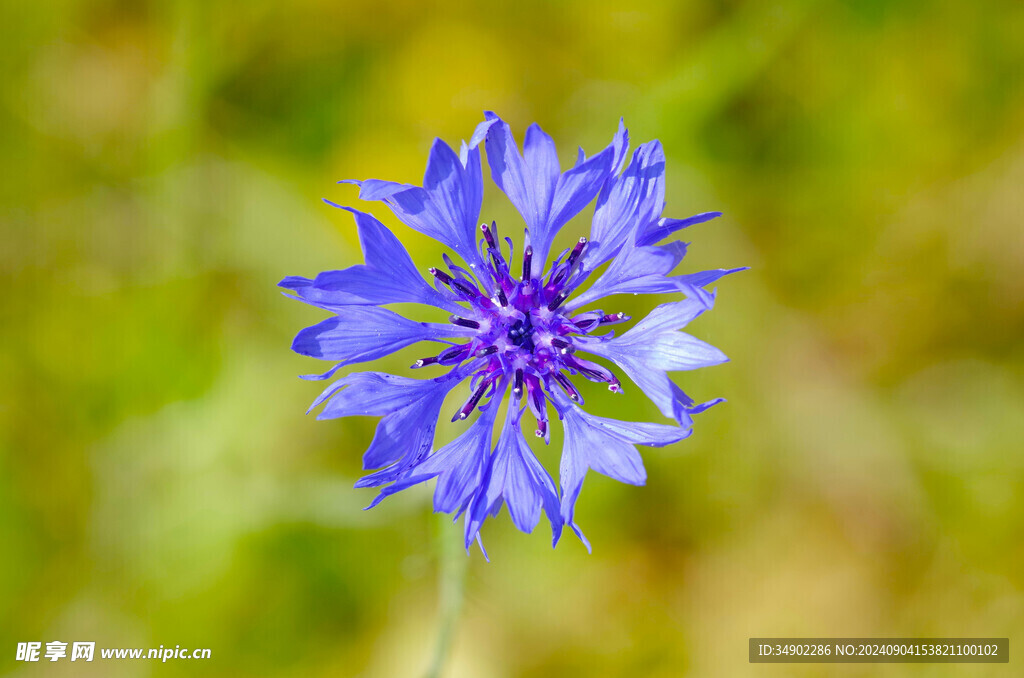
[{"x": 517, "y": 328}]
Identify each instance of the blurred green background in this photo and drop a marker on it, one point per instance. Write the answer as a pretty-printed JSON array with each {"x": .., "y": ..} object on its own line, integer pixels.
[{"x": 160, "y": 484}]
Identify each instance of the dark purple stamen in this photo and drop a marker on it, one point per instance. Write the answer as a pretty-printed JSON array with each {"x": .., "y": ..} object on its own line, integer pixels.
[
  {"x": 452, "y": 355},
  {"x": 562, "y": 344},
  {"x": 591, "y": 371},
  {"x": 473, "y": 400},
  {"x": 536, "y": 397},
  {"x": 592, "y": 375},
  {"x": 542, "y": 429},
  {"x": 575, "y": 254},
  {"x": 464, "y": 322},
  {"x": 585, "y": 322},
  {"x": 557, "y": 301},
  {"x": 527, "y": 262},
  {"x": 486, "y": 351},
  {"x": 488, "y": 232},
  {"x": 500, "y": 294},
  {"x": 500, "y": 265},
  {"x": 466, "y": 288},
  {"x": 440, "y": 275},
  {"x": 423, "y": 362},
  {"x": 614, "y": 318},
  {"x": 517, "y": 384},
  {"x": 570, "y": 390},
  {"x": 563, "y": 271}
]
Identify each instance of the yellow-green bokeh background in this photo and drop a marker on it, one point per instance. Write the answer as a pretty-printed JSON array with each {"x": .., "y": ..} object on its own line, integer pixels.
[{"x": 163, "y": 165}]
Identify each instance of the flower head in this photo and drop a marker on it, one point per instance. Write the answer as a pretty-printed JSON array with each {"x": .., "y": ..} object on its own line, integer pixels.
[{"x": 518, "y": 330}]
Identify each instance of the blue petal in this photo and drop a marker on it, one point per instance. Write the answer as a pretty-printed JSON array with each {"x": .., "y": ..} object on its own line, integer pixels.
[
  {"x": 456, "y": 188},
  {"x": 636, "y": 433},
  {"x": 374, "y": 394},
  {"x": 620, "y": 147},
  {"x": 627, "y": 203},
  {"x": 320, "y": 377},
  {"x": 696, "y": 409},
  {"x": 675, "y": 351},
  {"x": 545, "y": 198},
  {"x": 402, "y": 438},
  {"x": 447, "y": 207},
  {"x": 671, "y": 399},
  {"x": 472, "y": 176},
  {"x": 509, "y": 171},
  {"x": 410, "y": 408},
  {"x": 641, "y": 270},
  {"x": 361, "y": 333},
  {"x": 704, "y": 278},
  {"x": 638, "y": 270},
  {"x": 394, "y": 488},
  {"x": 460, "y": 465},
  {"x": 577, "y": 187},
  {"x": 543, "y": 170},
  {"x": 480, "y": 133},
  {"x": 655, "y": 341},
  {"x": 387, "y": 277},
  {"x": 462, "y": 462},
  {"x": 653, "y": 347},
  {"x": 514, "y": 475},
  {"x": 606, "y": 446},
  {"x": 294, "y": 282},
  {"x": 655, "y": 232}
]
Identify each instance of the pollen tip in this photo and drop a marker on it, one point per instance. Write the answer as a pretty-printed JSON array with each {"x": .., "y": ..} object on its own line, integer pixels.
[{"x": 583, "y": 240}]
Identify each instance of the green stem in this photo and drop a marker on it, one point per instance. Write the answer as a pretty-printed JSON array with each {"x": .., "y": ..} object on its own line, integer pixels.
[{"x": 451, "y": 577}]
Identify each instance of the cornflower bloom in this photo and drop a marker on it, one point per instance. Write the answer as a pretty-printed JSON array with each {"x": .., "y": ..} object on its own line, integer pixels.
[{"x": 518, "y": 329}]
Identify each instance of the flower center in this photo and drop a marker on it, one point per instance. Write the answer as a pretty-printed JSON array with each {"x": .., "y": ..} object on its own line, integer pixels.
[
  {"x": 521, "y": 334},
  {"x": 518, "y": 328}
]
